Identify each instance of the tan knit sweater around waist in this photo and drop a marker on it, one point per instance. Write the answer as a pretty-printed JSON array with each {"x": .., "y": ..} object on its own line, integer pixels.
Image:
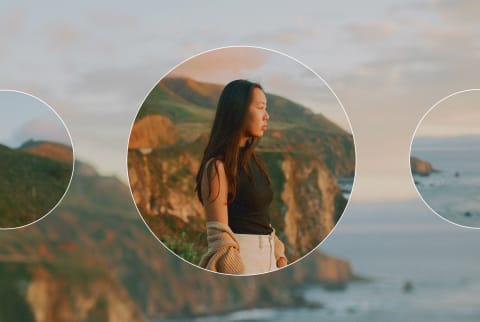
[{"x": 223, "y": 254}]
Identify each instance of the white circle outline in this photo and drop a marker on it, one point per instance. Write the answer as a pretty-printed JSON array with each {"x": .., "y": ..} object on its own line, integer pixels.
[
  {"x": 73, "y": 157},
  {"x": 305, "y": 66},
  {"x": 410, "y": 154}
]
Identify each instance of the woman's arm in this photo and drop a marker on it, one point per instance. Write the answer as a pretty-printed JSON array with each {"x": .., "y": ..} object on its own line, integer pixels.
[
  {"x": 223, "y": 250},
  {"x": 280, "y": 253},
  {"x": 215, "y": 192}
]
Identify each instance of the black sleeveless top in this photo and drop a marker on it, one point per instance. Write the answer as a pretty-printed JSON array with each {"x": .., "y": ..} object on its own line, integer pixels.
[{"x": 249, "y": 212}]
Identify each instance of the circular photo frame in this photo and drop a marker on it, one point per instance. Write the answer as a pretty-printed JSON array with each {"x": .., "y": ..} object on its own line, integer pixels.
[
  {"x": 241, "y": 160},
  {"x": 36, "y": 159},
  {"x": 445, "y": 158}
]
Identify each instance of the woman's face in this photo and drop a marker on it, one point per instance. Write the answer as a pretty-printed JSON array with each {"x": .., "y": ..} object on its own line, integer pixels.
[{"x": 257, "y": 115}]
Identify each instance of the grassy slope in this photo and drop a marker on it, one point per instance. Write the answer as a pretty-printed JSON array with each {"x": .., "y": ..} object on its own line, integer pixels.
[
  {"x": 29, "y": 186},
  {"x": 191, "y": 107},
  {"x": 185, "y": 100}
]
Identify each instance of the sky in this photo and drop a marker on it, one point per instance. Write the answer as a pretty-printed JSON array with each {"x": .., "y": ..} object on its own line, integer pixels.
[
  {"x": 277, "y": 73},
  {"x": 23, "y": 117},
  {"x": 389, "y": 62},
  {"x": 455, "y": 115}
]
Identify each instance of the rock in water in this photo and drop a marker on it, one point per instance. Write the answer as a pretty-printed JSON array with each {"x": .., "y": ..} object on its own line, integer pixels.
[
  {"x": 408, "y": 287},
  {"x": 420, "y": 167}
]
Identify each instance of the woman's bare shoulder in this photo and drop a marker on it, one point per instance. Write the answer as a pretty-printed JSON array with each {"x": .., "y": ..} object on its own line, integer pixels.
[
  {"x": 214, "y": 180},
  {"x": 215, "y": 192},
  {"x": 214, "y": 168}
]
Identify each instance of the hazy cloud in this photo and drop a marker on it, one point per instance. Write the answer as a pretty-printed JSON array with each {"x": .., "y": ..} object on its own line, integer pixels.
[
  {"x": 372, "y": 32},
  {"x": 63, "y": 35},
  {"x": 217, "y": 66},
  {"x": 455, "y": 116},
  {"x": 113, "y": 90},
  {"x": 11, "y": 24},
  {"x": 40, "y": 129},
  {"x": 110, "y": 20},
  {"x": 387, "y": 94},
  {"x": 286, "y": 36},
  {"x": 388, "y": 63},
  {"x": 459, "y": 11},
  {"x": 309, "y": 91}
]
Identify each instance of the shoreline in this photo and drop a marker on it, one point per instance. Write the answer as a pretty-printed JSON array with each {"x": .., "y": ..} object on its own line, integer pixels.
[{"x": 297, "y": 300}]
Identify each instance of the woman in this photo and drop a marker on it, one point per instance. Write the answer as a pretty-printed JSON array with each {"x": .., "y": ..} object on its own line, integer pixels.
[{"x": 234, "y": 187}]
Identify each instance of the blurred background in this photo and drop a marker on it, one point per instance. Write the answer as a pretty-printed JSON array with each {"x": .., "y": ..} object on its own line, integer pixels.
[
  {"x": 36, "y": 159},
  {"x": 389, "y": 258}
]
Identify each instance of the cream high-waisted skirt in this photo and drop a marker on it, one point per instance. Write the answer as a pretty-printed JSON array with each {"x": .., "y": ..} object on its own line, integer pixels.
[{"x": 257, "y": 253}]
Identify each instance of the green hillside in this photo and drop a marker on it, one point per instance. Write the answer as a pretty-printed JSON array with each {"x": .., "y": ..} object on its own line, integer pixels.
[
  {"x": 30, "y": 186},
  {"x": 184, "y": 100},
  {"x": 187, "y": 100},
  {"x": 191, "y": 105}
]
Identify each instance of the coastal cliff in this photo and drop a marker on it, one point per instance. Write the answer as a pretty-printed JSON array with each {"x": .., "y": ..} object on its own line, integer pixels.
[
  {"x": 152, "y": 131},
  {"x": 310, "y": 195},
  {"x": 304, "y": 153},
  {"x": 92, "y": 259},
  {"x": 307, "y": 201},
  {"x": 100, "y": 299}
]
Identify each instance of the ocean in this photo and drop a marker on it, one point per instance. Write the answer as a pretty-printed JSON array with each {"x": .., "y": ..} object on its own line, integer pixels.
[
  {"x": 345, "y": 184},
  {"x": 392, "y": 244},
  {"x": 454, "y": 192}
]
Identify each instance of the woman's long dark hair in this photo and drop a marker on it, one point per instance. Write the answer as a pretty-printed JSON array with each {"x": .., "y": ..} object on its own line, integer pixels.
[{"x": 223, "y": 144}]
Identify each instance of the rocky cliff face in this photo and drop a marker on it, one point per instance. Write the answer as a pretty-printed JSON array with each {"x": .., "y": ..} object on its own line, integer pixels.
[
  {"x": 57, "y": 281},
  {"x": 152, "y": 131},
  {"x": 93, "y": 259},
  {"x": 309, "y": 195},
  {"x": 99, "y": 300},
  {"x": 306, "y": 207},
  {"x": 163, "y": 183},
  {"x": 420, "y": 167},
  {"x": 50, "y": 150},
  {"x": 336, "y": 150}
]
